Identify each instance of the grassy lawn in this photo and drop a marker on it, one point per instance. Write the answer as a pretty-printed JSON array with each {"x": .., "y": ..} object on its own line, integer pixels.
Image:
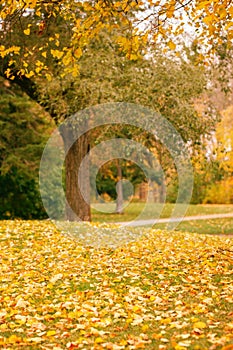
[
  {"x": 166, "y": 290},
  {"x": 211, "y": 226},
  {"x": 155, "y": 210}
]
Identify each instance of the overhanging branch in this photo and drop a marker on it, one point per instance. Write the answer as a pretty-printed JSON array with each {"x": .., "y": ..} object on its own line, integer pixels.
[{"x": 30, "y": 88}]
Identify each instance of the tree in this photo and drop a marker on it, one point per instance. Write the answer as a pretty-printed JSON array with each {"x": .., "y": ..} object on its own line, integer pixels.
[
  {"x": 220, "y": 190},
  {"x": 146, "y": 21},
  {"x": 121, "y": 175},
  {"x": 55, "y": 40},
  {"x": 24, "y": 130}
]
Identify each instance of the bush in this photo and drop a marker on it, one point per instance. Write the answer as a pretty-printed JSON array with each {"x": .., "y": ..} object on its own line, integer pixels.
[
  {"x": 220, "y": 192},
  {"x": 20, "y": 197}
]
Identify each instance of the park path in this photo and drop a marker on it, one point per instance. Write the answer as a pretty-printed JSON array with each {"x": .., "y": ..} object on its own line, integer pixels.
[{"x": 175, "y": 219}]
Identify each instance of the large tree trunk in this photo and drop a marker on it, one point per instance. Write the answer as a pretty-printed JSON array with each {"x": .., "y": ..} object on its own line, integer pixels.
[
  {"x": 120, "y": 199},
  {"x": 77, "y": 180}
]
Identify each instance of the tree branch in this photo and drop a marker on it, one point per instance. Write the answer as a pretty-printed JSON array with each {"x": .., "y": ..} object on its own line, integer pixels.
[{"x": 30, "y": 88}]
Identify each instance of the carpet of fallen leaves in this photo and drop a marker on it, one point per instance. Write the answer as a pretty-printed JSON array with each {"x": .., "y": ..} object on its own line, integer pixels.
[{"x": 167, "y": 290}]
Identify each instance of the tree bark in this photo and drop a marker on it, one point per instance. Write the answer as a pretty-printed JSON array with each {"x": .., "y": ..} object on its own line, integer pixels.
[
  {"x": 77, "y": 180},
  {"x": 119, "y": 199},
  {"x": 162, "y": 192}
]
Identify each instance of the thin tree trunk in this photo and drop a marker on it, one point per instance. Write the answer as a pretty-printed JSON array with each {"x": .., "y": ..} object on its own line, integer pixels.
[
  {"x": 162, "y": 190},
  {"x": 78, "y": 202},
  {"x": 120, "y": 199},
  {"x": 150, "y": 195}
]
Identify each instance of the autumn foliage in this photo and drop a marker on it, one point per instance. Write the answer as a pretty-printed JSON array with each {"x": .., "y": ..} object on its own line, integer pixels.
[
  {"x": 38, "y": 37},
  {"x": 166, "y": 290}
]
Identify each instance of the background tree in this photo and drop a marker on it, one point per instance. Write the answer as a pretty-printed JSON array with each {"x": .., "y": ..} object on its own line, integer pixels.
[
  {"x": 219, "y": 190},
  {"x": 24, "y": 130}
]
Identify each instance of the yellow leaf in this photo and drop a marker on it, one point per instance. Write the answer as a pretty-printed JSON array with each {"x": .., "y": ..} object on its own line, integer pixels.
[
  {"x": 208, "y": 19},
  {"x": 230, "y": 11},
  {"x": 21, "y": 71},
  {"x": 170, "y": 11},
  {"x": 78, "y": 53},
  {"x": 27, "y": 31},
  {"x": 136, "y": 308},
  {"x": 50, "y": 333},
  {"x": 71, "y": 314},
  {"x": 67, "y": 59},
  {"x": 123, "y": 342},
  {"x": 171, "y": 45},
  {"x": 14, "y": 339},
  {"x": 129, "y": 320},
  {"x": 3, "y": 327},
  {"x": 230, "y": 34},
  {"x": 75, "y": 71},
  {"x": 99, "y": 340},
  {"x": 15, "y": 49},
  {"x": 37, "y": 70},
  {"x": 8, "y": 73},
  {"x": 222, "y": 12},
  {"x": 48, "y": 77},
  {"x": 178, "y": 347},
  {"x": 30, "y": 74},
  {"x": 56, "y": 53},
  {"x": 166, "y": 320},
  {"x": 145, "y": 327},
  {"x": 203, "y": 4},
  {"x": 44, "y": 54},
  {"x": 32, "y": 4},
  {"x": 133, "y": 56},
  {"x": 3, "y": 51},
  {"x": 199, "y": 325}
]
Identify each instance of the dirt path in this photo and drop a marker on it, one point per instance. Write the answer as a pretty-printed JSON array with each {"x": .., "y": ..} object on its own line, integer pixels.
[{"x": 177, "y": 219}]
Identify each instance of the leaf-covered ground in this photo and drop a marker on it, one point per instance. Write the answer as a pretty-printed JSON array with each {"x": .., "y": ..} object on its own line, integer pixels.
[{"x": 168, "y": 290}]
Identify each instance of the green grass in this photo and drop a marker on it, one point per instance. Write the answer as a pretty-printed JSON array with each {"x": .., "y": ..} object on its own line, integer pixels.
[
  {"x": 211, "y": 226},
  {"x": 154, "y": 210}
]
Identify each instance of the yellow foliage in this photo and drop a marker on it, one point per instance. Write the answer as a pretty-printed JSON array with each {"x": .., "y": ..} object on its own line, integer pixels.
[
  {"x": 220, "y": 192},
  {"x": 171, "y": 45},
  {"x": 224, "y": 135},
  {"x": 27, "y": 31},
  {"x": 199, "y": 324},
  {"x": 211, "y": 18},
  {"x": 67, "y": 58},
  {"x": 78, "y": 52},
  {"x": 112, "y": 315},
  {"x": 50, "y": 333},
  {"x": 30, "y": 74},
  {"x": 57, "y": 53},
  {"x": 99, "y": 340}
]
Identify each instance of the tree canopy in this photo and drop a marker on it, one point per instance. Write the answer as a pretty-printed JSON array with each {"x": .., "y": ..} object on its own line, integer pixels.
[{"x": 31, "y": 34}]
